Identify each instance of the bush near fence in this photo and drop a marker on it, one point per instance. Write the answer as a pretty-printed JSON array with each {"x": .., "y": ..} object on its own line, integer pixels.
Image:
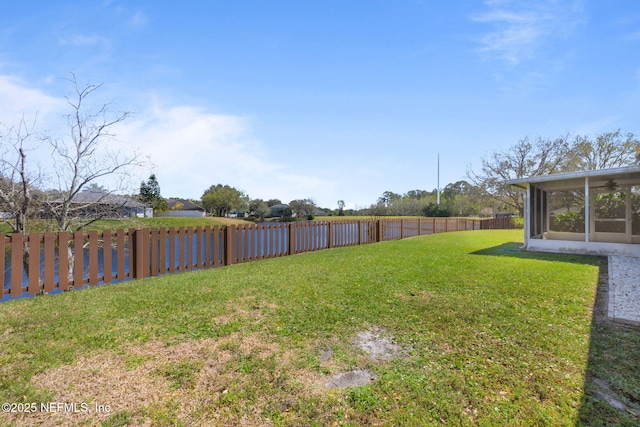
[{"x": 139, "y": 253}]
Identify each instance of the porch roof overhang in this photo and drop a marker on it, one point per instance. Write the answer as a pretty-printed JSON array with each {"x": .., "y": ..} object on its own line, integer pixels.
[{"x": 626, "y": 175}]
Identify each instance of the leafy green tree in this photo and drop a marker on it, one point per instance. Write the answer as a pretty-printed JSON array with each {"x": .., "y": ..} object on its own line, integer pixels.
[
  {"x": 462, "y": 199},
  {"x": 571, "y": 221},
  {"x": 388, "y": 198},
  {"x": 259, "y": 209},
  {"x": 302, "y": 207},
  {"x": 221, "y": 199},
  {"x": 432, "y": 209},
  {"x": 340, "y": 207},
  {"x": 150, "y": 194}
]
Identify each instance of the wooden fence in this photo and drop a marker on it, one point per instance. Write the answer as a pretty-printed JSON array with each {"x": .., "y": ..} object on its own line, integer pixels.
[{"x": 53, "y": 262}]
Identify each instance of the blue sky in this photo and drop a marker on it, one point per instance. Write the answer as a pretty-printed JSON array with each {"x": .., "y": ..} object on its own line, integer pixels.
[{"x": 325, "y": 99}]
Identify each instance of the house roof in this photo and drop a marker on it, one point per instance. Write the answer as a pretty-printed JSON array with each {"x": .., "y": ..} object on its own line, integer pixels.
[
  {"x": 187, "y": 205},
  {"x": 626, "y": 175},
  {"x": 101, "y": 197}
]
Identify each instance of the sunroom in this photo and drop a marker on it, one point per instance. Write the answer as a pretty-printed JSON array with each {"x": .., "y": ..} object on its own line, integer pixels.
[{"x": 589, "y": 212}]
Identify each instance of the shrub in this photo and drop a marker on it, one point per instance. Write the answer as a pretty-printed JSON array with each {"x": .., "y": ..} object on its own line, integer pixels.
[{"x": 572, "y": 222}]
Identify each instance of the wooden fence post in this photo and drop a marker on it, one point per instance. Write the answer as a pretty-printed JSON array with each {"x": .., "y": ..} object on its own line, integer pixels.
[
  {"x": 93, "y": 257},
  {"x": 16, "y": 264},
  {"x": 107, "y": 258},
  {"x": 292, "y": 238},
  {"x": 34, "y": 263},
  {"x": 329, "y": 235},
  {"x": 380, "y": 231},
  {"x": 228, "y": 244},
  {"x": 402, "y": 228},
  {"x": 63, "y": 260},
  {"x": 154, "y": 251},
  {"x": 120, "y": 246},
  {"x": 141, "y": 261},
  {"x": 2, "y": 260}
]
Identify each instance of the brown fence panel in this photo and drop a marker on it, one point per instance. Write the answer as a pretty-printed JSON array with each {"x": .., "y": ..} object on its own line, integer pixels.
[
  {"x": 172, "y": 250},
  {"x": 63, "y": 261},
  {"x": 497, "y": 224},
  {"x": 261, "y": 245},
  {"x": 107, "y": 276},
  {"x": 199, "y": 236},
  {"x": 208, "y": 246},
  {"x": 93, "y": 257},
  {"x": 240, "y": 245},
  {"x": 16, "y": 264},
  {"x": 34, "y": 263},
  {"x": 2, "y": 263},
  {"x": 49, "y": 280},
  {"x": 120, "y": 248},
  {"x": 154, "y": 248},
  {"x": 78, "y": 259},
  {"x": 181, "y": 249},
  {"x": 245, "y": 245},
  {"x": 228, "y": 239},
  {"x": 218, "y": 257}
]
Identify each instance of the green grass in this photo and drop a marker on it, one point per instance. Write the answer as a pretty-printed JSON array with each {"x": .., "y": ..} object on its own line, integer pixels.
[{"x": 492, "y": 336}]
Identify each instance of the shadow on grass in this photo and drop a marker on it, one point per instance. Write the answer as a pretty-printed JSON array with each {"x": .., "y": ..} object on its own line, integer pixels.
[
  {"x": 512, "y": 249},
  {"x": 612, "y": 377}
]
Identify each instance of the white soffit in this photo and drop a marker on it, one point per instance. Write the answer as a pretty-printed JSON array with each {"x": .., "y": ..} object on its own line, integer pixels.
[{"x": 627, "y": 175}]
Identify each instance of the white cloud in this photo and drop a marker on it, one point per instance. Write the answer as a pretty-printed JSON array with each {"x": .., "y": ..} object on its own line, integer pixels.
[
  {"x": 84, "y": 40},
  {"x": 193, "y": 149},
  {"x": 138, "y": 20},
  {"x": 17, "y": 100},
  {"x": 190, "y": 149},
  {"x": 520, "y": 27}
]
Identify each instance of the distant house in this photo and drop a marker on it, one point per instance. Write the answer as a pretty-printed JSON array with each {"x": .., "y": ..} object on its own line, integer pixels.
[
  {"x": 182, "y": 208},
  {"x": 280, "y": 210},
  {"x": 236, "y": 214},
  {"x": 97, "y": 203},
  {"x": 319, "y": 212}
]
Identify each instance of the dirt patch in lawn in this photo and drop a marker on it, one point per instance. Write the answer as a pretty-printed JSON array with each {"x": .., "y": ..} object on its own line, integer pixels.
[{"x": 378, "y": 344}]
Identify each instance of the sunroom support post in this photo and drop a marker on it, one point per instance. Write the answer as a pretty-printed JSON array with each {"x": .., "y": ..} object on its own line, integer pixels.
[
  {"x": 527, "y": 216},
  {"x": 587, "y": 211}
]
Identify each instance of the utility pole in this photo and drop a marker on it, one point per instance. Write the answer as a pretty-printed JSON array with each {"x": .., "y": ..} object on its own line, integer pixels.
[{"x": 438, "y": 179}]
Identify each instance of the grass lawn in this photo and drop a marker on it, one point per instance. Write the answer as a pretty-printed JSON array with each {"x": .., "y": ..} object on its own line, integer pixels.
[{"x": 487, "y": 336}]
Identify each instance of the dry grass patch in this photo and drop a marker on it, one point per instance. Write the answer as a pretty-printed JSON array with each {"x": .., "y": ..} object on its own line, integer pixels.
[{"x": 238, "y": 380}]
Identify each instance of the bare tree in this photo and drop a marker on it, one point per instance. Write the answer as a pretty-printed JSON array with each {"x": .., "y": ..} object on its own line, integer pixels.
[
  {"x": 608, "y": 150},
  {"x": 84, "y": 157},
  {"x": 16, "y": 181},
  {"x": 79, "y": 161},
  {"x": 547, "y": 156},
  {"x": 526, "y": 158},
  {"x": 18, "y": 197}
]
